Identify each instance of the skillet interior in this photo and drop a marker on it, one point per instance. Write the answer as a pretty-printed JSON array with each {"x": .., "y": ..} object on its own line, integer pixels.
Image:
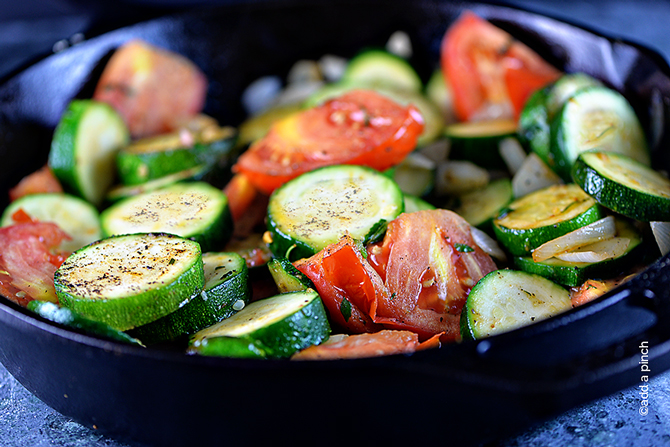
[{"x": 508, "y": 381}]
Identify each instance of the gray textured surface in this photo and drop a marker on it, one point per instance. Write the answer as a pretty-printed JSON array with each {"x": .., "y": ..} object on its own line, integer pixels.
[{"x": 611, "y": 421}]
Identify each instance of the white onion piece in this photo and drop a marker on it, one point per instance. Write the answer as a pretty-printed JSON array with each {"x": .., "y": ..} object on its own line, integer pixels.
[
  {"x": 437, "y": 151},
  {"x": 661, "y": 232},
  {"x": 296, "y": 92},
  {"x": 512, "y": 154},
  {"x": 260, "y": 94},
  {"x": 598, "y": 251},
  {"x": 332, "y": 67},
  {"x": 458, "y": 177},
  {"x": 597, "y": 231},
  {"x": 304, "y": 71},
  {"x": 400, "y": 44},
  {"x": 487, "y": 244},
  {"x": 533, "y": 174}
]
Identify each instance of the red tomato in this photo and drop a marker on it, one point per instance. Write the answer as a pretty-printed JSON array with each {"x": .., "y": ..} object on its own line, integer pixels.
[
  {"x": 347, "y": 284},
  {"x": 360, "y": 127},
  {"x": 429, "y": 262},
  {"x": 27, "y": 260},
  {"x": 40, "y": 181},
  {"x": 380, "y": 343},
  {"x": 488, "y": 69},
  {"x": 154, "y": 90}
]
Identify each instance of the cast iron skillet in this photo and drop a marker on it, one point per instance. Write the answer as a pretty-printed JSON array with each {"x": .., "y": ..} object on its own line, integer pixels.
[{"x": 463, "y": 393}]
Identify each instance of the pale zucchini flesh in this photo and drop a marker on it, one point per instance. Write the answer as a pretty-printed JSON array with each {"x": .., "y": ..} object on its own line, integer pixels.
[
  {"x": 318, "y": 208},
  {"x": 508, "y": 299}
]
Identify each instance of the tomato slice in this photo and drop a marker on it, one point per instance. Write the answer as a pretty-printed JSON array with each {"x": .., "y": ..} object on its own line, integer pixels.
[
  {"x": 28, "y": 261},
  {"x": 349, "y": 287},
  {"x": 491, "y": 74},
  {"x": 40, "y": 181},
  {"x": 429, "y": 262},
  {"x": 360, "y": 127},
  {"x": 385, "y": 342}
]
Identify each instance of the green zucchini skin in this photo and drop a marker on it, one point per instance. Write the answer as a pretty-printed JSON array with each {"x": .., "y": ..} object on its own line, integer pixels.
[
  {"x": 66, "y": 317},
  {"x": 479, "y": 142},
  {"x": 534, "y": 130},
  {"x": 300, "y": 328},
  {"x": 137, "y": 167},
  {"x": 584, "y": 105},
  {"x": 137, "y": 305},
  {"x": 521, "y": 241},
  {"x": 216, "y": 302},
  {"x": 76, "y": 138},
  {"x": 376, "y": 67},
  {"x": 647, "y": 201},
  {"x": 481, "y": 206},
  {"x": 287, "y": 277}
]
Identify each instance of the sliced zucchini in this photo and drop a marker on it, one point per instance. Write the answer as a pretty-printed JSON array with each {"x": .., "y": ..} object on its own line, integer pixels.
[
  {"x": 381, "y": 68},
  {"x": 624, "y": 185},
  {"x": 274, "y": 327},
  {"x": 505, "y": 300},
  {"x": 438, "y": 91},
  {"x": 574, "y": 274},
  {"x": 226, "y": 291},
  {"x": 131, "y": 280},
  {"x": 596, "y": 118},
  {"x": 478, "y": 141},
  {"x": 415, "y": 175},
  {"x": 84, "y": 147},
  {"x": 414, "y": 203},
  {"x": 255, "y": 127},
  {"x": 194, "y": 210},
  {"x": 480, "y": 207},
  {"x": 287, "y": 277},
  {"x": 535, "y": 120},
  {"x": 120, "y": 192},
  {"x": 77, "y": 217},
  {"x": 155, "y": 157},
  {"x": 318, "y": 208},
  {"x": 544, "y": 215},
  {"x": 65, "y": 316}
]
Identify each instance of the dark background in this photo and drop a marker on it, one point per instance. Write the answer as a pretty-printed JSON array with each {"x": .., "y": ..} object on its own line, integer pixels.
[{"x": 32, "y": 29}]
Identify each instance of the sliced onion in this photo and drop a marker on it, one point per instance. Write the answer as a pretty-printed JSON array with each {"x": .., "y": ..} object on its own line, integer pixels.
[
  {"x": 487, "y": 244},
  {"x": 661, "y": 232},
  {"x": 597, "y": 231},
  {"x": 400, "y": 44},
  {"x": 533, "y": 174},
  {"x": 438, "y": 151},
  {"x": 598, "y": 251},
  {"x": 512, "y": 153},
  {"x": 457, "y": 177},
  {"x": 332, "y": 67}
]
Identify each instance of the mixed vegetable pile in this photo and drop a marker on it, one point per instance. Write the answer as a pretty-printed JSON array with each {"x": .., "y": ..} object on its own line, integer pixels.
[{"x": 357, "y": 212}]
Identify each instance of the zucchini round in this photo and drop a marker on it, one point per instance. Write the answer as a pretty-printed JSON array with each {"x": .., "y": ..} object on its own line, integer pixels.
[
  {"x": 275, "y": 327},
  {"x": 194, "y": 210},
  {"x": 318, "y": 208},
  {"x": 505, "y": 300},
  {"x": 624, "y": 185},
  {"x": 131, "y": 280},
  {"x": 544, "y": 215}
]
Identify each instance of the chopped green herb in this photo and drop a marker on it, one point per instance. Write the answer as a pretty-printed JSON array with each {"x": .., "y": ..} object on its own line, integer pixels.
[
  {"x": 345, "y": 309},
  {"x": 463, "y": 248},
  {"x": 172, "y": 261}
]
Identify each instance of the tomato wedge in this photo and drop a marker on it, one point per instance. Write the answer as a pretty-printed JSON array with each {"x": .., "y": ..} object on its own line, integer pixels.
[
  {"x": 40, "y": 181},
  {"x": 385, "y": 342},
  {"x": 27, "y": 261},
  {"x": 360, "y": 127},
  {"x": 429, "y": 262},
  {"x": 347, "y": 284},
  {"x": 491, "y": 74}
]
